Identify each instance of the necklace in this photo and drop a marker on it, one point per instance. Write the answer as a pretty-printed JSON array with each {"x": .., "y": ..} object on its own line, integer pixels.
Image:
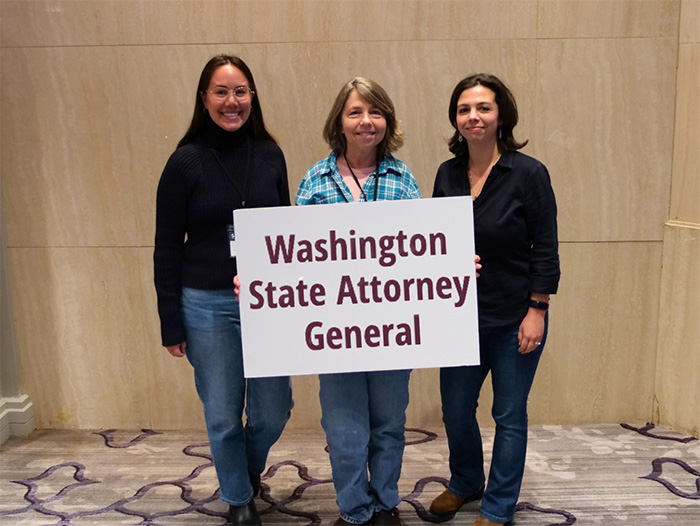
[{"x": 476, "y": 182}]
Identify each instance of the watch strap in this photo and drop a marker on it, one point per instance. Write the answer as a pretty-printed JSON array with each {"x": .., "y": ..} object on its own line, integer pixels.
[{"x": 542, "y": 305}]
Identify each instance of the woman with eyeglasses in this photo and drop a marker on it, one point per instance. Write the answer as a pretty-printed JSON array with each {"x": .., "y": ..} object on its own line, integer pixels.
[
  {"x": 226, "y": 160},
  {"x": 363, "y": 414},
  {"x": 515, "y": 231}
]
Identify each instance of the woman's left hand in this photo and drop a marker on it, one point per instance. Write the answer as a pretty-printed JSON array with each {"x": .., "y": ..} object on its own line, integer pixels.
[
  {"x": 531, "y": 331},
  {"x": 236, "y": 286}
]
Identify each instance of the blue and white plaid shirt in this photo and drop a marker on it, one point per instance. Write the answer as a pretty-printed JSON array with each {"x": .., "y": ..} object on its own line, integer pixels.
[{"x": 323, "y": 183}]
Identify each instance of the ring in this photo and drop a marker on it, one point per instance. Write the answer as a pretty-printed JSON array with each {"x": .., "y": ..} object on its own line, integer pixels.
[{"x": 537, "y": 343}]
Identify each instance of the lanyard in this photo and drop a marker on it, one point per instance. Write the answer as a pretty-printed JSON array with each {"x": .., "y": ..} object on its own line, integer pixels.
[
  {"x": 357, "y": 181},
  {"x": 241, "y": 189}
]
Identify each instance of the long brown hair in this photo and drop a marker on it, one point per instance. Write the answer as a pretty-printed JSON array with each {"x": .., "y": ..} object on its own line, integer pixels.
[{"x": 256, "y": 117}]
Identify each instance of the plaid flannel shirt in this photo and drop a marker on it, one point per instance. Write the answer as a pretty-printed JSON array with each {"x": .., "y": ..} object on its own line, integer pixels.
[{"x": 323, "y": 183}]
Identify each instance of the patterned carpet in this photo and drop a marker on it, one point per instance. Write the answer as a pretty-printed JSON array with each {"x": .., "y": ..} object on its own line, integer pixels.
[{"x": 604, "y": 474}]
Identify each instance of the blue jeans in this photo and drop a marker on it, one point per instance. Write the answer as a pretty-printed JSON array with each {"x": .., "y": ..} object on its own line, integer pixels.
[
  {"x": 364, "y": 417},
  {"x": 213, "y": 329},
  {"x": 512, "y": 374}
]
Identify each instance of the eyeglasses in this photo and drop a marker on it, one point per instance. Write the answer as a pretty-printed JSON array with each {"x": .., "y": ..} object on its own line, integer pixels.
[{"x": 240, "y": 93}]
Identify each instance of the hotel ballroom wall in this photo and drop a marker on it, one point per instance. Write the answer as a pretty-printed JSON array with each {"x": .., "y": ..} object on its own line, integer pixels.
[{"x": 95, "y": 94}]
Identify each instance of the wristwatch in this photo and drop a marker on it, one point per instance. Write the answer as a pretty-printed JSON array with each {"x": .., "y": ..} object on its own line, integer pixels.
[{"x": 542, "y": 305}]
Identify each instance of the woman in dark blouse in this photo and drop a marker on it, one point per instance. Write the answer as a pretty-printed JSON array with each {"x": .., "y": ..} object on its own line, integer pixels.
[{"x": 515, "y": 231}]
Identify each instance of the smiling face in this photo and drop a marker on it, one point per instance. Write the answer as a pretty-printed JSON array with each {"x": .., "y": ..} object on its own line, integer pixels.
[
  {"x": 477, "y": 115},
  {"x": 229, "y": 113},
  {"x": 364, "y": 125}
]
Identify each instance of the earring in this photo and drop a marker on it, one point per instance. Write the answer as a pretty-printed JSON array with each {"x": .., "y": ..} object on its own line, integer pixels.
[
  {"x": 500, "y": 133},
  {"x": 459, "y": 138}
]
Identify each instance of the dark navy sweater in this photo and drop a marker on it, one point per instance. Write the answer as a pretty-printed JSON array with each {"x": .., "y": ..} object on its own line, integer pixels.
[{"x": 201, "y": 185}]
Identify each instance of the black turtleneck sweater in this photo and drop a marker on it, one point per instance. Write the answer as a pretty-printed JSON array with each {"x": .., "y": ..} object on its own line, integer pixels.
[{"x": 201, "y": 185}]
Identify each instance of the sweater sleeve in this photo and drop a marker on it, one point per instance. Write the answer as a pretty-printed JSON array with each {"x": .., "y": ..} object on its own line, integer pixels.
[{"x": 171, "y": 221}]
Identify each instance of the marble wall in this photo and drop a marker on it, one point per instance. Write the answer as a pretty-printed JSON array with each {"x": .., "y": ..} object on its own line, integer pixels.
[
  {"x": 677, "y": 394},
  {"x": 96, "y": 93}
]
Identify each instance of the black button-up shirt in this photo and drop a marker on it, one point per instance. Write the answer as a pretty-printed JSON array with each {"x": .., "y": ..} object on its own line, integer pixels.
[{"x": 515, "y": 231}]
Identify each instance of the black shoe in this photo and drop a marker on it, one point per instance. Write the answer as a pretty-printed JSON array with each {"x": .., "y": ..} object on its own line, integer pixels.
[
  {"x": 246, "y": 515},
  {"x": 387, "y": 518},
  {"x": 342, "y": 522},
  {"x": 255, "y": 482}
]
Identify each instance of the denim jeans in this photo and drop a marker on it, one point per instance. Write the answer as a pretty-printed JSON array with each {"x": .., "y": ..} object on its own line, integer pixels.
[
  {"x": 512, "y": 374},
  {"x": 213, "y": 329},
  {"x": 364, "y": 417}
]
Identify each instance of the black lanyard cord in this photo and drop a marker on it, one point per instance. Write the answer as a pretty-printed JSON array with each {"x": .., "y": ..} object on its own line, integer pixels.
[
  {"x": 357, "y": 181},
  {"x": 242, "y": 190}
]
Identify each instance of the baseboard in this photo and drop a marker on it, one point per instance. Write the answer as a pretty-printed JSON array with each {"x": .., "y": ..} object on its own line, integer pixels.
[{"x": 16, "y": 417}]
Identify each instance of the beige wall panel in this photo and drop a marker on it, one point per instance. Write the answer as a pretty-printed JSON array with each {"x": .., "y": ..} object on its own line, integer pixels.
[
  {"x": 424, "y": 407},
  {"x": 170, "y": 396},
  {"x": 678, "y": 362},
  {"x": 67, "y": 149},
  {"x": 420, "y": 77},
  {"x": 87, "y": 176},
  {"x": 377, "y": 20},
  {"x": 176, "y": 21},
  {"x": 690, "y": 21},
  {"x": 685, "y": 189},
  {"x": 211, "y": 21},
  {"x": 599, "y": 363},
  {"x": 135, "y": 22},
  {"x": 306, "y": 414},
  {"x": 607, "y": 18},
  {"x": 59, "y": 22},
  {"x": 153, "y": 22},
  {"x": 80, "y": 338},
  {"x": 604, "y": 134}
]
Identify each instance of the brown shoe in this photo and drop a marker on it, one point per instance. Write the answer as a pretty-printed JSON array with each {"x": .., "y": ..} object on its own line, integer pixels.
[
  {"x": 481, "y": 521},
  {"x": 448, "y": 504}
]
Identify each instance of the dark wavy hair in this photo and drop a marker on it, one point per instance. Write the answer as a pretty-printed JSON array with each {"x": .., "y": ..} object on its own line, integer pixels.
[
  {"x": 259, "y": 130},
  {"x": 507, "y": 113},
  {"x": 376, "y": 96}
]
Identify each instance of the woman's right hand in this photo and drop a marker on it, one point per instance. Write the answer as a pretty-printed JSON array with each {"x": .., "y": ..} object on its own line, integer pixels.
[
  {"x": 177, "y": 350},
  {"x": 477, "y": 264}
]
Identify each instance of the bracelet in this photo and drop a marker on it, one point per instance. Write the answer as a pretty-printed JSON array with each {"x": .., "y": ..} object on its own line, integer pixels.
[{"x": 542, "y": 305}]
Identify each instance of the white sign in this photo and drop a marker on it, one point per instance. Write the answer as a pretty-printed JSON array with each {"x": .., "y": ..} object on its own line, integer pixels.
[{"x": 357, "y": 286}]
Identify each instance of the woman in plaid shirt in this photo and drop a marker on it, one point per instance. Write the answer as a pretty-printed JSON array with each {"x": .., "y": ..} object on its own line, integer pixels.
[{"x": 364, "y": 414}]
